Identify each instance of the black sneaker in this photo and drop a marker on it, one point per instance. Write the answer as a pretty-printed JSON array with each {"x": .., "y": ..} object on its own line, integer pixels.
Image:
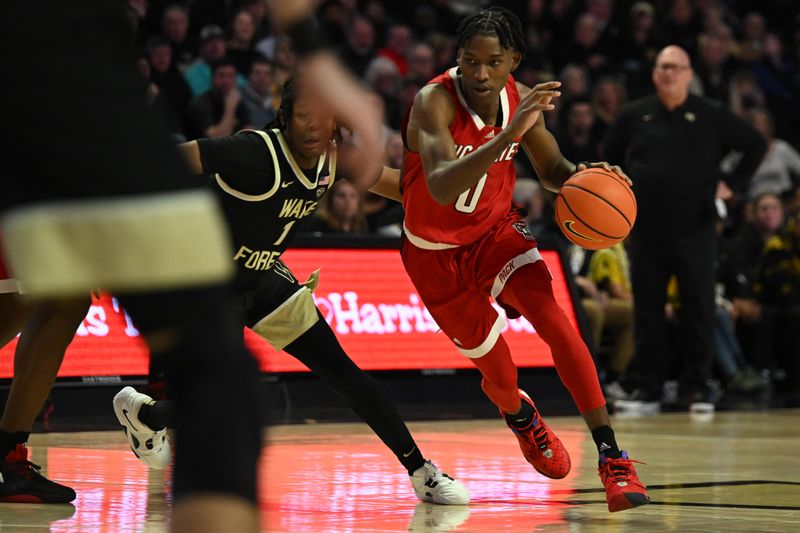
[{"x": 21, "y": 482}]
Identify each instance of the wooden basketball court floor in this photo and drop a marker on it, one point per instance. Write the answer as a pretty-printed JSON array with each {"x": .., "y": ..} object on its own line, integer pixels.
[{"x": 736, "y": 472}]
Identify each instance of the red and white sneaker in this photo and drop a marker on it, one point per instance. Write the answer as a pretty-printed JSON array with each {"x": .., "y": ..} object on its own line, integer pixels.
[
  {"x": 541, "y": 447},
  {"x": 623, "y": 488},
  {"x": 21, "y": 482}
]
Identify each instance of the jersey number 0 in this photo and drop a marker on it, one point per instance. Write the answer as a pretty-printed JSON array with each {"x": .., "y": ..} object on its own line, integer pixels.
[{"x": 468, "y": 200}]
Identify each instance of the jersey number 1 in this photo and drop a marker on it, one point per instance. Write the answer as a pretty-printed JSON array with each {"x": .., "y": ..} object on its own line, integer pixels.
[
  {"x": 286, "y": 229},
  {"x": 468, "y": 200}
]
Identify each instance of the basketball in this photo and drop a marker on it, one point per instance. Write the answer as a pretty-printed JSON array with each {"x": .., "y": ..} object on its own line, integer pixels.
[{"x": 595, "y": 208}]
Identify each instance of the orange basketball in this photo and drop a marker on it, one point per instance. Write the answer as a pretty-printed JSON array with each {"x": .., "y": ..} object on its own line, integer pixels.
[{"x": 596, "y": 208}]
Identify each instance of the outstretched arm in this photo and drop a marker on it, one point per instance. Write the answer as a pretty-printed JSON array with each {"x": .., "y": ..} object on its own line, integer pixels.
[
  {"x": 544, "y": 154},
  {"x": 388, "y": 184},
  {"x": 431, "y": 116},
  {"x": 191, "y": 154}
]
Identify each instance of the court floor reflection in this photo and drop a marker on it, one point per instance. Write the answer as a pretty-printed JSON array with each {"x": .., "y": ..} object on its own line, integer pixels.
[{"x": 735, "y": 472}]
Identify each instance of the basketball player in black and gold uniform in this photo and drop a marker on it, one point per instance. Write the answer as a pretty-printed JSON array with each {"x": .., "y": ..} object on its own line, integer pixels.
[{"x": 267, "y": 183}]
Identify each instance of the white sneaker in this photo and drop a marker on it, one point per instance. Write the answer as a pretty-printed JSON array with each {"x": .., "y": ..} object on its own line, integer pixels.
[
  {"x": 150, "y": 446},
  {"x": 434, "y": 486}
]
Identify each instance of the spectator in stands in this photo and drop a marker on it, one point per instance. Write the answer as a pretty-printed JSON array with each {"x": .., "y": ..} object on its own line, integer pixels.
[
  {"x": 155, "y": 98},
  {"x": 778, "y": 289},
  {"x": 404, "y": 97},
  {"x": 609, "y": 271},
  {"x": 777, "y": 75},
  {"x": 212, "y": 49},
  {"x": 745, "y": 93},
  {"x": 151, "y": 90},
  {"x": 734, "y": 303},
  {"x": 360, "y": 47},
  {"x": 240, "y": 47},
  {"x": 637, "y": 48},
  {"x": 258, "y": 9},
  {"x": 538, "y": 206},
  {"x": 716, "y": 67},
  {"x": 738, "y": 259},
  {"x": 398, "y": 41},
  {"x": 175, "y": 29},
  {"x": 608, "y": 97},
  {"x": 340, "y": 211},
  {"x": 384, "y": 216},
  {"x": 332, "y": 18},
  {"x": 259, "y": 94},
  {"x": 682, "y": 26},
  {"x": 751, "y": 45},
  {"x": 586, "y": 47},
  {"x": 421, "y": 64},
  {"x": 165, "y": 75},
  {"x": 444, "y": 50},
  {"x": 574, "y": 80},
  {"x": 284, "y": 60},
  {"x": 779, "y": 172},
  {"x": 219, "y": 111},
  {"x": 375, "y": 12},
  {"x": 577, "y": 137}
]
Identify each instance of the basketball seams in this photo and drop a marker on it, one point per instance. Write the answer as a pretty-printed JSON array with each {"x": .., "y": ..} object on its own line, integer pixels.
[
  {"x": 616, "y": 177},
  {"x": 579, "y": 219},
  {"x": 615, "y": 208}
]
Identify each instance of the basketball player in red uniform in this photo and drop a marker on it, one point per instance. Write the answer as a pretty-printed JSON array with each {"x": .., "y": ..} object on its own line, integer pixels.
[
  {"x": 463, "y": 241},
  {"x": 47, "y": 329}
]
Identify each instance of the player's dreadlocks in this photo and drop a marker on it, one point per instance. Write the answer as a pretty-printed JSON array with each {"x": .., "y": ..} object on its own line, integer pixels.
[
  {"x": 288, "y": 96},
  {"x": 281, "y": 121},
  {"x": 496, "y": 21}
]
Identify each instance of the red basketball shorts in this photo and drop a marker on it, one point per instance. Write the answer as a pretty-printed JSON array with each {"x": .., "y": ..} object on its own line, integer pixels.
[{"x": 456, "y": 283}]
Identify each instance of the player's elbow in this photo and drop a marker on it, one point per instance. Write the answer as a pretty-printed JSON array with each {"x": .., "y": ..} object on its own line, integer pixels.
[{"x": 439, "y": 192}]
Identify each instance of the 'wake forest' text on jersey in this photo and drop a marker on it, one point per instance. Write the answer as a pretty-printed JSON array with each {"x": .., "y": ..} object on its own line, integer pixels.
[{"x": 264, "y": 193}]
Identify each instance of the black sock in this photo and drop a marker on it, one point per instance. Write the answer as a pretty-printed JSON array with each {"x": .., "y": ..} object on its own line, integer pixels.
[
  {"x": 319, "y": 349},
  {"x": 606, "y": 442},
  {"x": 158, "y": 415},
  {"x": 9, "y": 441},
  {"x": 523, "y": 418},
  {"x": 413, "y": 461}
]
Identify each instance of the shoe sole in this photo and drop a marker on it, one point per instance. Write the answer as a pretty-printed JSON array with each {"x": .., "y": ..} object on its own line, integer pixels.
[
  {"x": 632, "y": 499},
  {"x": 30, "y": 498},
  {"x": 118, "y": 407}
]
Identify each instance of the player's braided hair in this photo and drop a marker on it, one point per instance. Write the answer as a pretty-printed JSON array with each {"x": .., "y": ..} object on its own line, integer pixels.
[
  {"x": 497, "y": 21},
  {"x": 289, "y": 92},
  {"x": 288, "y": 96}
]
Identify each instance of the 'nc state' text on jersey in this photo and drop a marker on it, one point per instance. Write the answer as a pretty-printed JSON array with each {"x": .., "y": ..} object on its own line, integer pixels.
[{"x": 506, "y": 155}]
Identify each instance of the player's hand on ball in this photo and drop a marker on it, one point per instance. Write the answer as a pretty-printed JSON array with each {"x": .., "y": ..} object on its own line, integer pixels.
[{"x": 602, "y": 164}]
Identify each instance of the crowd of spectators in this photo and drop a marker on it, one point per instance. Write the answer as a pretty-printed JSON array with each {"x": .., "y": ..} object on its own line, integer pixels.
[{"x": 216, "y": 66}]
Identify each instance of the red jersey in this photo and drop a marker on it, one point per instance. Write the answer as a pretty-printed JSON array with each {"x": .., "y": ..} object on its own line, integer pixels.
[{"x": 431, "y": 225}]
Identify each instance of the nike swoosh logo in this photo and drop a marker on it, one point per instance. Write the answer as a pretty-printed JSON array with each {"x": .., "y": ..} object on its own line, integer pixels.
[
  {"x": 409, "y": 453},
  {"x": 125, "y": 414},
  {"x": 286, "y": 184},
  {"x": 569, "y": 223}
]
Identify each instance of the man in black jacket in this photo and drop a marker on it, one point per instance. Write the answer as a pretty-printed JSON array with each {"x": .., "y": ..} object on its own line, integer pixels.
[{"x": 671, "y": 144}]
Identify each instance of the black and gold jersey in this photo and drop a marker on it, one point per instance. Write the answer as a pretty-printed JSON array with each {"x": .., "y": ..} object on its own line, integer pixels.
[{"x": 264, "y": 193}]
